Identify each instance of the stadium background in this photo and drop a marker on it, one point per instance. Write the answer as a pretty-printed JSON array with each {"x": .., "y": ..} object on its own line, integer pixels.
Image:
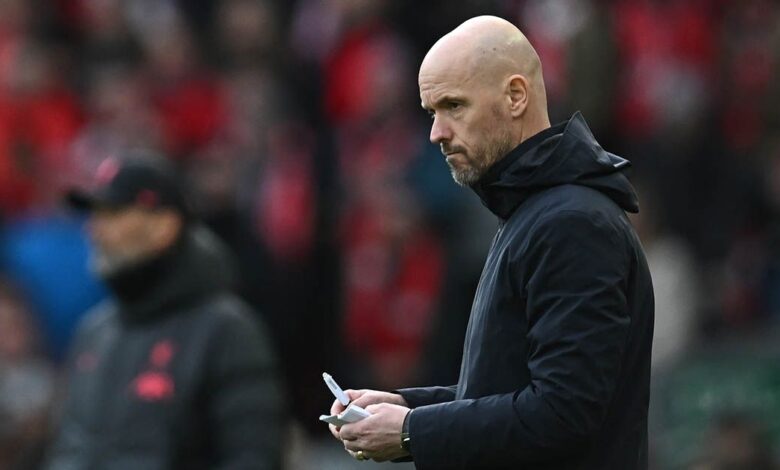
[{"x": 297, "y": 125}]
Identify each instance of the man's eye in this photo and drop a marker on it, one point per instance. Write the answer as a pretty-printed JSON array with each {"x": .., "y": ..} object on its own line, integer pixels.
[{"x": 453, "y": 105}]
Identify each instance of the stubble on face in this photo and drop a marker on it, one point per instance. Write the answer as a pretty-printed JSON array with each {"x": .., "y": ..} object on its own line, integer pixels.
[
  {"x": 107, "y": 264},
  {"x": 495, "y": 144}
]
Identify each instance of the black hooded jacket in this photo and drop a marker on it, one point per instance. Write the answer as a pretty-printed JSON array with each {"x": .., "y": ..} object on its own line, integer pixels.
[
  {"x": 556, "y": 361},
  {"x": 176, "y": 374}
]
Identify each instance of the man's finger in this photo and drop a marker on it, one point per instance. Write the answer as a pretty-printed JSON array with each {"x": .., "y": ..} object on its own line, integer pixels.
[
  {"x": 336, "y": 407},
  {"x": 356, "y": 456},
  {"x": 354, "y": 446},
  {"x": 375, "y": 408},
  {"x": 366, "y": 400},
  {"x": 335, "y": 431},
  {"x": 348, "y": 432}
]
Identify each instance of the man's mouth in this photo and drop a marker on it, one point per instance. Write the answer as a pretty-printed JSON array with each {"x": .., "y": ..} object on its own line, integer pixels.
[{"x": 454, "y": 160}]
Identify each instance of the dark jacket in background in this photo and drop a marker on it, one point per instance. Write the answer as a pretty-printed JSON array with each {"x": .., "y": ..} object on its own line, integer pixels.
[
  {"x": 556, "y": 363},
  {"x": 177, "y": 375}
]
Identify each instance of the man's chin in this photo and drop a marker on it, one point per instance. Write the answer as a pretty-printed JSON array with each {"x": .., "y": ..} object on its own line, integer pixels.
[
  {"x": 106, "y": 267},
  {"x": 464, "y": 177},
  {"x": 463, "y": 172}
]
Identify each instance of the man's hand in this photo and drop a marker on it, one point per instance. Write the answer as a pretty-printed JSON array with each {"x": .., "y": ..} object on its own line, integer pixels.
[
  {"x": 379, "y": 435},
  {"x": 364, "y": 398}
]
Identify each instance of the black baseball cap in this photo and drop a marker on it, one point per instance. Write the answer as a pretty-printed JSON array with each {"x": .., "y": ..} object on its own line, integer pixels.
[{"x": 138, "y": 178}]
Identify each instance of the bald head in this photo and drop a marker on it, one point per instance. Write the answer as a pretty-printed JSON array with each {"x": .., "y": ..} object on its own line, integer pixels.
[
  {"x": 485, "y": 46},
  {"x": 485, "y": 70}
]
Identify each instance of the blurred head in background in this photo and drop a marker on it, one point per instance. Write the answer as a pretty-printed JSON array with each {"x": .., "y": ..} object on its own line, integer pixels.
[
  {"x": 248, "y": 30},
  {"x": 136, "y": 212}
]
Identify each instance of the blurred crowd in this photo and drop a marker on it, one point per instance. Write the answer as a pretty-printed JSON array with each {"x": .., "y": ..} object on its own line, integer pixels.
[{"x": 297, "y": 126}]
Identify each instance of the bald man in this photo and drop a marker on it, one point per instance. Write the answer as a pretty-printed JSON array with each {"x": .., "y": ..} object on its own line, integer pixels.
[{"x": 556, "y": 361}]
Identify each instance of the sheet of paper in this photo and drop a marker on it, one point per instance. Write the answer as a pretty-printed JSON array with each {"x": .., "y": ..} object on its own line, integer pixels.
[{"x": 352, "y": 414}]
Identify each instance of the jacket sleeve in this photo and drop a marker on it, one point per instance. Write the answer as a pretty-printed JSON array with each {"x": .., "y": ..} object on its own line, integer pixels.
[
  {"x": 69, "y": 440},
  {"x": 245, "y": 405},
  {"x": 422, "y": 396},
  {"x": 578, "y": 323}
]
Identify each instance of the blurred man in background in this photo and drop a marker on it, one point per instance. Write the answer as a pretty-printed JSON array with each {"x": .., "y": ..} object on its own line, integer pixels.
[
  {"x": 556, "y": 362},
  {"x": 175, "y": 373}
]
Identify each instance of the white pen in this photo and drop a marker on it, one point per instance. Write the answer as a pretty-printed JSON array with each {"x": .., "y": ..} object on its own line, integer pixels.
[{"x": 335, "y": 389}]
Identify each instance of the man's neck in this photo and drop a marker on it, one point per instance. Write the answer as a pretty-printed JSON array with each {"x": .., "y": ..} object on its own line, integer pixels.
[{"x": 535, "y": 123}]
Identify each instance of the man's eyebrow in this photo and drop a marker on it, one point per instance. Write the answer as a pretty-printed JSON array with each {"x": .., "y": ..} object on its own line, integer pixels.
[{"x": 443, "y": 99}]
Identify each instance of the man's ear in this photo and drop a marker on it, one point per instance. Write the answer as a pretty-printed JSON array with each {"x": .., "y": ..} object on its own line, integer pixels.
[
  {"x": 517, "y": 90},
  {"x": 167, "y": 226}
]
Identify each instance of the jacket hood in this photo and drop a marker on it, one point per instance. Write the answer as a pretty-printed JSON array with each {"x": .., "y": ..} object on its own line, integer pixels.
[
  {"x": 566, "y": 153},
  {"x": 197, "y": 267}
]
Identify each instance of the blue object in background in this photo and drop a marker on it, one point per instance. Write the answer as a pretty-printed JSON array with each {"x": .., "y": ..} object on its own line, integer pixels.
[{"x": 46, "y": 256}]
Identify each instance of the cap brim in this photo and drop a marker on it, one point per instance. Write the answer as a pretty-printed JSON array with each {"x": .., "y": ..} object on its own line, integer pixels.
[{"x": 84, "y": 201}]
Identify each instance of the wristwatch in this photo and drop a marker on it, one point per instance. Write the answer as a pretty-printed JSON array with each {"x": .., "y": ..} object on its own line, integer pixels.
[{"x": 406, "y": 439}]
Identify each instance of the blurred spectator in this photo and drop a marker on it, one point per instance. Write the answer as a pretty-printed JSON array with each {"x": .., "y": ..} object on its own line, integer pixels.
[
  {"x": 394, "y": 268},
  {"x": 26, "y": 383},
  {"x": 676, "y": 285},
  {"x": 290, "y": 218},
  {"x": 248, "y": 31},
  {"x": 256, "y": 97},
  {"x": 736, "y": 442},
  {"x": 106, "y": 34},
  {"x": 174, "y": 372},
  {"x": 39, "y": 117},
  {"x": 319, "y": 26},
  {"x": 668, "y": 53},
  {"x": 119, "y": 115},
  {"x": 188, "y": 97},
  {"x": 750, "y": 62},
  {"x": 577, "y": 47}
]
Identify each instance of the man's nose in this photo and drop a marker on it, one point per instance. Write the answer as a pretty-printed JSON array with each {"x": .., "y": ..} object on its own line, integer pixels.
[{"x": 440, "y": 131}]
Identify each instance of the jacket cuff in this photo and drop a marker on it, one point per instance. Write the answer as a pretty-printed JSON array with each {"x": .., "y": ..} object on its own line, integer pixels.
[
  {"x": 422, "y": 396},
  {"x": 432, "y": 446},
  {"x": 405, "y": 431}
]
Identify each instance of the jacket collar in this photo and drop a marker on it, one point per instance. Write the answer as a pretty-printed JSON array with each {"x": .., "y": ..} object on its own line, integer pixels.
[
  {"x": 566, "y": 153},
  {"x": 498, "y": 200},
  {"x": 186, "y": 273}
]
